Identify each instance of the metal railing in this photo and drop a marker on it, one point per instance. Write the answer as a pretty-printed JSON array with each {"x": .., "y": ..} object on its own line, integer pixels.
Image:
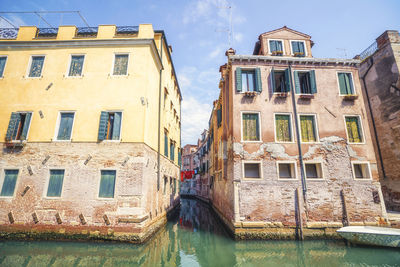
[
  {"x": 86, "y": 31},
  {"x": 127, "y": 29},
  {"x": 369, "y": 51},
  {"x": 8, "y": 33},
  {"x": 46, "y": 32}
]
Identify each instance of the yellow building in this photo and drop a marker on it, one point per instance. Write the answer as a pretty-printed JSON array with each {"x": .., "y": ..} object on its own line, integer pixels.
[{"x": 90, "y": 125}]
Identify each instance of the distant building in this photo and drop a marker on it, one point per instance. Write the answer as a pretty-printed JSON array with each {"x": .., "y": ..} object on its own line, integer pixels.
[
  {"x": 90, "y": 129},
  {"x": 187, "y": 157},
  {"x": 380, "y": 75},
  {"x": 290, "y": 145}
]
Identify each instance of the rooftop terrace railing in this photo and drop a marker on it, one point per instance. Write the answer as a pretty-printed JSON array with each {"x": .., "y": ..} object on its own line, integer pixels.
[
  {"x": 47, "y": 32},
  {"x": 8, "y": 33},
  {"x": 369, "y": 51},
  {"x": 86, "y": 31},
  {"x": 127, "y": 29}
]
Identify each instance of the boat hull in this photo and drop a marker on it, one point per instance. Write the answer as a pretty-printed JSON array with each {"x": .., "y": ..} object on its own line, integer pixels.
[{"x": 374, "y": 236}]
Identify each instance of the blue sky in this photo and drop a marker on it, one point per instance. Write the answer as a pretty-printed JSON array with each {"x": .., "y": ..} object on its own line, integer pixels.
[{"x": 197, "y": 31}]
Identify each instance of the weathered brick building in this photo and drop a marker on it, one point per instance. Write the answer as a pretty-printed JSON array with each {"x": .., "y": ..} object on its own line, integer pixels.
[
  {"x": 380, "y": 76},
  {"x": 90, "y": 131},
  {"x": 291, "y": 151}
]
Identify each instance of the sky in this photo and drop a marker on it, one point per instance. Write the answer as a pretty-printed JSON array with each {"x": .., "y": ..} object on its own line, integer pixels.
[{"x": 198, "y": 31}]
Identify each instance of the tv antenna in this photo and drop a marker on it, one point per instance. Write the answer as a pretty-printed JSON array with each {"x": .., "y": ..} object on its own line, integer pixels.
[
  {"x": 344, "y": 51},
  {"x": 230, "y": 29}
]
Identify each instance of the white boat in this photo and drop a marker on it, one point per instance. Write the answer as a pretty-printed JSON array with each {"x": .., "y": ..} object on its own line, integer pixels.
[{"x": 371, "y": 235}]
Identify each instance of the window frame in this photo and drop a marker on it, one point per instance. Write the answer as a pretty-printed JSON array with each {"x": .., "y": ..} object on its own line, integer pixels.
[
  {"x": 352, "y": 80},
  {"x": 316, "y": 127},
  {"x": 3, "y": 176},
  {"x": 120, "y": 127},
  {"x": 309, "y": 75},
  {"x": 273, "y": 81},
  {"x": 69, "y": 66},
  {"x": 46, "y": 186},
  {"x": 260, "y": 169},
  {"x": 322, "y": 178},
  {"x": 28, "y": 71},
  {"x": 29, "y": 128},
  {"x": 99, "y": 185},
  {"x": 291, "y": 47},
  {"x": 269, "y": 46},
  {"x": 241, "y": 125},
  {"x": 113, "y": 64},
  {"x": 296, "y": 178},
  {"x": 5, "y": 64},
  {"x": 247, "y": 70},
  {"x": 290, "y": 124},
  {"x": 354, "y": 173},
  {"x": 361, "y": 130},
  {"x": 58, "y": 122}
]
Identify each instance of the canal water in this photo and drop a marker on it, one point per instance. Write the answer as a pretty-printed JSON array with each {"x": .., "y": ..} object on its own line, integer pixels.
[{"x": 194, "y": 237}]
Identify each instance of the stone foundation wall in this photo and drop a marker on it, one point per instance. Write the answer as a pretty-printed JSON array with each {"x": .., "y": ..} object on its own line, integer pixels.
[{"x": 136, "y": 210}]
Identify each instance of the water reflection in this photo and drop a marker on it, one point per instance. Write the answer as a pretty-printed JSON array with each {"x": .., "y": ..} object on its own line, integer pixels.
[{"x": 194, "y": 238}]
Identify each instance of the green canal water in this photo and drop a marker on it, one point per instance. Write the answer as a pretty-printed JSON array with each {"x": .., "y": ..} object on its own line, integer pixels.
[{"x": 194, "y": 237}]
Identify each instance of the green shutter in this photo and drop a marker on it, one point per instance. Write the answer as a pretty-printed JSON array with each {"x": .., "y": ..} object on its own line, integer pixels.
[
  {"x": 273, "y": 79},
  {"x": 287, "y": 80},
  {"x": 272, "y": 46},
  {"x": 107, "y": 184},
  {"x": 342, "y": 84},
  {"x": 296, "y": 82},
  {"x": 10, "y": 180},
  {"x": 103, "y": 125},
  {"x": 313, "y": 82},
  {"x": 350, "y": 81},
  {"x": 117, "y": 126},
  {"x": 65, "y": 128},
  {"x": 55, "y": 183},
  {"x": 219, "y": 116},
  {"x": 2, "y": 65},
  {"x": 238, "y": 79},
  {"x": 25, "y": 128},
  {"x": 166, "y": 145},
  {"x": 13, "y": 126},
  {"x": 258, "y": 80}
]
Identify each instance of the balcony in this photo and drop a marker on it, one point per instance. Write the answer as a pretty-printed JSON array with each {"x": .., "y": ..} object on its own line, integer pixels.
[
  {"x": 126, "y": 30},
  {"x": 86, "y": 31},
  {"x": 8, "y": 33},
  {"x": 46, "y": 32}
]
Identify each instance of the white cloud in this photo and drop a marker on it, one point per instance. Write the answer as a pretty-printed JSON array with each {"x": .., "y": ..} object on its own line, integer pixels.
[
  {"x": 238, "y": 37},
  {"x": 14, "y": 20},
  {"x": 216, "y": 52}
]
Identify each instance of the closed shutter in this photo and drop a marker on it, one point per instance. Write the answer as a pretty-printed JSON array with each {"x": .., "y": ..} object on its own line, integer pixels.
[
  {"x": 342, "y": 83},
  {"x": 272, "y": 46},
  {"x": 258, "y": 80},
  {"x": 65, "y": 129},
  {"x": 219, "y": 117},
  {"x": 103, "y": 125},
  {"x": 166, "y": 145},
  {"x": 25, "y": 128},
  {"x": 117, "y": 126},
  {"x": 10, "y": 180},
  {"x": 238, "y": 79},
  {"x": 272, "y": 75},
  {"x": 287, "y": 80},
  {"x": 313, "y": 82},
  {"x": 55, "y": 183},
  {"x": 296, "y": 82},
  {"x": 13, "y": 126},
  {"x": 107, "y": 184}
]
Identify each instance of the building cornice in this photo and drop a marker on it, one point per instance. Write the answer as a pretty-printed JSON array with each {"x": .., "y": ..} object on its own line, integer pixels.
[
  {"x": 14, "y": 45},
  {"x": 295, "y": 60}
]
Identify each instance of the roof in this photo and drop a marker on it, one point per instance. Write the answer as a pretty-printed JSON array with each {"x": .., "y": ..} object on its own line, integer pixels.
[{"x": 285, "y": 28}]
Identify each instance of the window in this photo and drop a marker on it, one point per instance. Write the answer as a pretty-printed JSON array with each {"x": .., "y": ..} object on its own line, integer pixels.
[
  {"x": 9, "y": 182},
  {"x": 18, "y": 126},
  {"x": 276, "y": 47},
  {"x": 2, "y": 65},
  {"x": 345, "y": 83},
  {"x": 172, "y": 150},
  {"x": 361, "y": 170},
  {"x": 166, "y": 143},
  {"x": 76, "y": 65},
  {"x": 219, "y": 116},
  {"x": 165, "y": 96},
  {"x": 165, "y": 185},
  {"x": 107, "y": 184},
  {"x": 308, "y": 129},
  {"x": 252, "y": 170},
  {"x": 110, "y": 125},
  {"x": 280, "y": 81},
  {"x": 248, "y": 81},
  {"x": 55, "y": 183},
  {"x": 304, "y": 82},
  {"x": 354, "y": 132},
  {"x": 286, "y": 170},
  {"x": 283, "y": 131},
  {"x": 298, "y": 49},
  {"x": 250, "y": 127},
  {"x": 36, "y": 66},
  {"x": 313, "y": 170},
  {"x": 66, "y": 121},
  {"x": 121, "y": 65}
]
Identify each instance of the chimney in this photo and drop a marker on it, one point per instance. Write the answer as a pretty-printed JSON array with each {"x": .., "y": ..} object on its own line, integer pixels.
[{"x": 230, "y": 52}]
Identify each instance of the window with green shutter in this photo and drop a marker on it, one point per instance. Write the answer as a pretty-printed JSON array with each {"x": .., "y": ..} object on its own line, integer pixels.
[
  {"x": 219, "y": 116},
  {"x": 18, "y": 126},
  {"x": 308, "y": 129},
  {"x": 172, "y": 150},
  {"x": 276, "y": 47},
  {"x": 283, "y": 131},
  {"x": 9, "y": 182},
  {"x": 353, "y": 127},
  {"x": 345, "y": 83},
  {"x": 121, "y": 64},
  {"x": 250, "y": 127},
  {"x": 166, "y": 144},
  {"x": 2, "y": 65},
  {"x": 65, "y": 126},
  {"x": 248, "y": 81},
  {"x": 278, "y": 78},
  {"x": 304, "y": 82},
  {"x": 107, "y": 184},
  {"x": 76, "y": 66},
  {"x": 298, "y": 49},
  {"x": 110, "y": 125},
  {"x": 36, "y": 66},
  {"x": 55, "y": 183}
]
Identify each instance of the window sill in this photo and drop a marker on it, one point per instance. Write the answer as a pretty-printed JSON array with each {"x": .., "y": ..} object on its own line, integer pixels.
[
  {"x": 110, "y": 141},
  {"x": 283, "y": 95},
  {"x": 306, "y": 96},
  {"x": 6, "y": 197},
  {"x": 363, "y": 179},
  {"x": 118, "y": 76},
  {"x": 315, "y": 179},
  {"x": 252, "y": 179},
  {"x": 359, "y": 143},
  {"x": 34, "y": 78},
  {"x": 245, "y": 141},
  {"x": 284, "y": 142},
  {"x": 349, "y": 97},
  {"x": 250, "y": 94},
  {"x": 106, "y": 198},
  {"x": 63, "y": 141},
  {"x": 288, "y": 179},
  {"x": 74, "y": 77}
]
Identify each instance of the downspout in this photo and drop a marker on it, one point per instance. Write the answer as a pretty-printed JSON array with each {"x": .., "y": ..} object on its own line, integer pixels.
[
  {"x": 303, "y": 180},
  {"x": 159, "y": 117},
  {"x": 372, "y": 116}
]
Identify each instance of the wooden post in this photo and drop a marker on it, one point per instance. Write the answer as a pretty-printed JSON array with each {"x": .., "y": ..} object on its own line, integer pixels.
[
  {"x": 82, "y": 218},
  {"x": 35, "y": 218},
  {"x": 58, "y": 218},
  {"x": 345, "y": 215},
  {"x": 11, "y": 217},
  {"x": 299, "y": 218},
  {"x": 106, "y": 220}
]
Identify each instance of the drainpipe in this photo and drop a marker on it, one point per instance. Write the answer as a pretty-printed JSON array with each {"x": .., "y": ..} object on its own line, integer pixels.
[
  {"x": 372, "y": 116},
  {"x": 159, "y": 117},
  {"x": 303, "y": 180}
]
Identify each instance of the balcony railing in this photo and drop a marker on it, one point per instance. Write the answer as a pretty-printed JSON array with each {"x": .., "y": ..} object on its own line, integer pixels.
[
  {"x": 47, "y": 32},
  {"x": 369, "y": 51},
  {"x": 8, "y": 33},
  {"x": 86, "y": 31},
  {"x": 126, "y": 30}
]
